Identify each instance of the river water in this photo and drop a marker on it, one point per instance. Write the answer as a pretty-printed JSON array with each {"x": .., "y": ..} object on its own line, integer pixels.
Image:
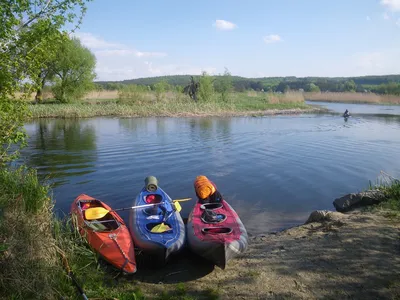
[{"x": 274, "y": 170}]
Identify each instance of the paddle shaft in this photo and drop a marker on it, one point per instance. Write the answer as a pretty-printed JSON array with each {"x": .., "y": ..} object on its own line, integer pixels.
[
  {"x": 70, "y": 274},
  {"x": 149, "y": 205},
  {"x": 139, "y": 206}
]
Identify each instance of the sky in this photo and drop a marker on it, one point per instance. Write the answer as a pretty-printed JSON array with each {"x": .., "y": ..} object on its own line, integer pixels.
[{"x": 254, "y": 38}]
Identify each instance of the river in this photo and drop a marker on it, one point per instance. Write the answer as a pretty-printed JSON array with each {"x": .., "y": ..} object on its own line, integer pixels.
[{"x": 274, "y": 170}]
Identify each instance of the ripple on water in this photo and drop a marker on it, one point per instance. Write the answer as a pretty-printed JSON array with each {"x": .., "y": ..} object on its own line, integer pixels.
[{"x": 273, "y": 170}]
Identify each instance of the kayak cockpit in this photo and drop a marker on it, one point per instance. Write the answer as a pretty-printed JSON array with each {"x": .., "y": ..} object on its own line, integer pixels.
[{"x": 106, "y": 223}]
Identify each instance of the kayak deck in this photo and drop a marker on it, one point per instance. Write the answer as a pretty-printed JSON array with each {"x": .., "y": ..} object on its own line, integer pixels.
[
  {"x": 218, "y": 240},
  {"x": 142, "y": 221},
  {"x": 108, "y": 236}
]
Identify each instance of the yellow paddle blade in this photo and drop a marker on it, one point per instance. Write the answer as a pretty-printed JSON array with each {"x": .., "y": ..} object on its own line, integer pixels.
[
  {"x": 178, "y": 206},
  {"x": 95, "y": 213},
  {"x": 160, "y": 228},
  {"x": 181, "y": 200}
]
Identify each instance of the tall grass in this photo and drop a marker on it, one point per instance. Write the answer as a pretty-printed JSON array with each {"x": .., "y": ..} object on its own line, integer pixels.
[
  {"x": 31, "y": 240},
  {"x": 353, "y": 98},
  {"x": 145, "y": 104},
  {"x": 28, "y": 261}
]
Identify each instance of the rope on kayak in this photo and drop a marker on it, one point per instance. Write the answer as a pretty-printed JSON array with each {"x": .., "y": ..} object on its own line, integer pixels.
[{"x": 114, "y": 236}]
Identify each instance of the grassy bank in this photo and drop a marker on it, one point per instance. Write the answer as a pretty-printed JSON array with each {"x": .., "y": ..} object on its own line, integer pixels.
[
  {"x": 31, "y": 240},
  {"x": 365, "y": 98},
  {"x": 33, "y": 244},
  {"x": 174, "y": 104}
]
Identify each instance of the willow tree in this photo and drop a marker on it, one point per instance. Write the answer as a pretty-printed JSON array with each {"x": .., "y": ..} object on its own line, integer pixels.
[
  {"x": 72, "y": 70},
  {"x": 29, "y": 33}
]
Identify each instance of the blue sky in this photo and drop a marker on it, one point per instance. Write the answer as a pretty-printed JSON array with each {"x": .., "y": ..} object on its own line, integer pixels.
[{"x": 253, "y": 38}]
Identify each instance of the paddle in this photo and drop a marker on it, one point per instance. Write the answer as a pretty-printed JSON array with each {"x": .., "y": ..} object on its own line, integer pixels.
[
  {"x": 70, "y": 274},
  {"x": 162, "y": 227},
  {"x": 99, "y": 212}
]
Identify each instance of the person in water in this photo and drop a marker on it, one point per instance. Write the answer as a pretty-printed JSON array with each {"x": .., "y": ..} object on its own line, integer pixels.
[
  {"x": 346, "y": 113},
  {"x": 206, "y": 190}
]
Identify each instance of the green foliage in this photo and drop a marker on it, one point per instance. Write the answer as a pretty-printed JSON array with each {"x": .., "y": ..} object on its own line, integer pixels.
[
  {"x": 391, "y": 88},
  {"x": 12, "y": 133},
  {"x": 349, "y": 86},
  {"x": 223, "y": 85},
  {"x": 28, "y": 31},
  {"x": 377, "y": 84},
  {"x": 160, "y": 88},
  {"x": 312, "y": 87},
  {"x": 132, "y": 94},
  {"x": 73, "y": 71},
  {"x": 206, "y": 89}
]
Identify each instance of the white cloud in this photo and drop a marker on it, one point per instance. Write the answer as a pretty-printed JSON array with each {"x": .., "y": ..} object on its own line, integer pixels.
[
  {"x": 373, "y": 60},
  {"x": 376, "y": 63},
  {"x": 128, "y": 52},
  {"x": 386, "y": 16},
  {"x": 272, "y": 38},
  {"x": 393, "y": 5},
  {"x": 116, "y": 61},
  {"x": 368, "y": 18},
  {"x": 224, "y": 25},
  {"x": 93, "y": 42}
]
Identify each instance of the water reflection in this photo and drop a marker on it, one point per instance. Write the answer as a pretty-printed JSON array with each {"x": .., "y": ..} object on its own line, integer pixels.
[
  {"x": 62, "y": 149},
  {"x": 273, "y": 170}
]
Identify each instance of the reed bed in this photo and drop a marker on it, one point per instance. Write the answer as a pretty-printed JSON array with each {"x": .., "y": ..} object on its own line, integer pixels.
[
  {"x": 368, "y": 98},
  {"x": 171, "y": 104}
]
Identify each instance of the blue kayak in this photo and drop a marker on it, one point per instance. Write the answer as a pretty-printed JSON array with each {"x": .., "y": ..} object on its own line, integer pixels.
[{"x": 157, "y": 230}]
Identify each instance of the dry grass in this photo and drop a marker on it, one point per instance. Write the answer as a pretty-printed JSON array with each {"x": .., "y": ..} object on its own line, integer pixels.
[
  {"x": 353, "y": 98},
  {"x": 28, "y": 260},
  {"x": 100, "y": 95}
]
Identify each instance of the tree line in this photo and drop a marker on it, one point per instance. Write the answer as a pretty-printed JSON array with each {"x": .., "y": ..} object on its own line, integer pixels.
[{"x": 389, "y": 84}]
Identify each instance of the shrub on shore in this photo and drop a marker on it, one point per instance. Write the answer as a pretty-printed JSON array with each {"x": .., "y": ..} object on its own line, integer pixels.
[{"x": 353, "y": 98}]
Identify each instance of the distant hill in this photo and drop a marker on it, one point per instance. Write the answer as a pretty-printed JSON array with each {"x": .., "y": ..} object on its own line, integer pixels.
[{"x": 332, "y": 84}]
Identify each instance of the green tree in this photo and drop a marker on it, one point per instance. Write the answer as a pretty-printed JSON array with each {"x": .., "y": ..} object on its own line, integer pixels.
[
  {"x": 349, "y": 86},
  {"x": 27, "y": 30},
  {"x": 73, "y": 71},
  {"x": 160, "y": 88},
  {"x": 312, "y": 87},
  {"x": 206, "y": 89},
  {"x": 223, "y": 85}
]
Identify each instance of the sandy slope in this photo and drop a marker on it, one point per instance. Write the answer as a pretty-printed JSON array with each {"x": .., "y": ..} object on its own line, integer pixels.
[{"x": 355, "y": 256}]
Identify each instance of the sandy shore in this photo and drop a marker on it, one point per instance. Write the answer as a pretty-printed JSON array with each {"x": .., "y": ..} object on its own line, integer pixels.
[{"x": 354, "y": 256}]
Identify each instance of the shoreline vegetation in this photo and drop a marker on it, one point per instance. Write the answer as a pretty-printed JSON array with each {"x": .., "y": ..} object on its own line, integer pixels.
[
  {"x": 349, "y": 258},
  {"x": 174, "y": 104},
  {"x": 348, "y": 255},
  {"x": 362, "y": 98}
]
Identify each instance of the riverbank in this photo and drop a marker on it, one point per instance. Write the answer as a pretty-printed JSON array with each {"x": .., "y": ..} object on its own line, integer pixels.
[
  {"x": 350, "y": 256},
  {"x": 360, "y": 98},
  {"x": 69, "y": 111},
  {"x": 178, "y": 105}
]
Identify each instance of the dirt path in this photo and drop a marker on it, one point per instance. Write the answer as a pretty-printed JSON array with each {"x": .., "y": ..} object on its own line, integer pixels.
[{"x": 355, "y": 257}]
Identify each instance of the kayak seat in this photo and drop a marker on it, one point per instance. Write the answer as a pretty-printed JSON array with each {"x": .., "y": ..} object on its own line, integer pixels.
[
  {"x": 152, "y": 211},
  {"x": 152, "y": 199},
  {"x": 211, "y": 206},
  {"x": 209, "y": 216},
  {"x": 150, "y": 226},
  {"x": 216, "y": 230}
]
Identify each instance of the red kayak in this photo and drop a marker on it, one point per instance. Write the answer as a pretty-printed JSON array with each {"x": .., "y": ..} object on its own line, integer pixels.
[
  {"x": 108, "y": 236},
  {"x": 215, "y": 232}
]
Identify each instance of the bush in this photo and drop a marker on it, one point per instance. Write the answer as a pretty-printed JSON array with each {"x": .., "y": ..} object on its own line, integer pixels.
[
  {"x": 132, "y": 94},
  {"x": 206, "y": 89}
]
